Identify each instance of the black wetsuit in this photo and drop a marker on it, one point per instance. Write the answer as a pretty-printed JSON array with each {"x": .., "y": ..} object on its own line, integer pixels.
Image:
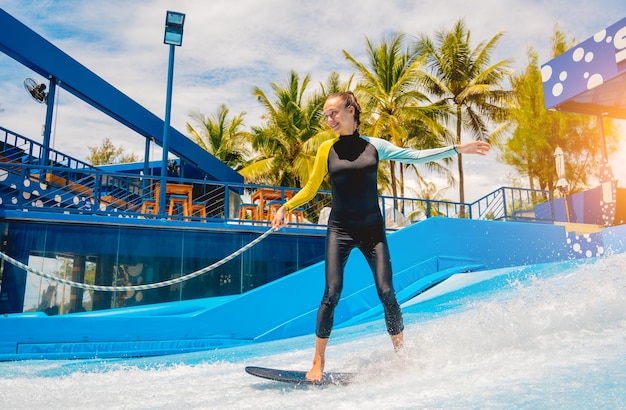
[{"x": 355, "y": 219}]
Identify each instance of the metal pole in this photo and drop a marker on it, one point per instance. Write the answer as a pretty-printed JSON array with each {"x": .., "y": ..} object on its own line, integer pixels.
[
  {"x": 43, "y": 160},
  {"x": 166, "y": 131},
  {"x": 146, "y": 166}
]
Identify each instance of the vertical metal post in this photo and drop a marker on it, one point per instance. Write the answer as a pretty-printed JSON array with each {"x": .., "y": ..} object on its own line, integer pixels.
[
  {"x": 166, "y": 131},
  {"x": 43, "y": 160},
  {"x": 146, "y": 166},
  {"x": 507, "y": 217}
]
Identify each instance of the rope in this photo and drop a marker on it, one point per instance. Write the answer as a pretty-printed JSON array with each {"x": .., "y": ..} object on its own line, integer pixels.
[{"x": 136, "y": 287}]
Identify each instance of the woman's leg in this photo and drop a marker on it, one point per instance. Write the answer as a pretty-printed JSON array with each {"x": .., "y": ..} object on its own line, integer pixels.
[
  {"x": 377, "y": 254},
  {"x": 338, "y": 247}
]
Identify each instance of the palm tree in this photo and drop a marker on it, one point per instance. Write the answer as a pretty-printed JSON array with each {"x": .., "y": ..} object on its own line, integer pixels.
[
  {"x": 288, "y": 142},
  {"x": 464, "y": 78},
  {"x": 222, "y": 137},
  {"x": 388, "y": 90},
  {"x": 432, "y": 198},
  {"x": 422, "y": 136},
  {"x": 334, "y": 84}
]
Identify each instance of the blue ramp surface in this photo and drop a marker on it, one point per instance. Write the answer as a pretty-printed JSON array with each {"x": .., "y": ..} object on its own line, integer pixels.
[{"x": 423, "y": 255}]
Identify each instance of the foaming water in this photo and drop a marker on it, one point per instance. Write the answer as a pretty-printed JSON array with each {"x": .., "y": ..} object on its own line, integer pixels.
[{"x": 539, "y": 337}]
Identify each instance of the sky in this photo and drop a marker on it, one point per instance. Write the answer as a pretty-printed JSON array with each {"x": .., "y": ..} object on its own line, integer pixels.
[{"x": 230, "y": 47}]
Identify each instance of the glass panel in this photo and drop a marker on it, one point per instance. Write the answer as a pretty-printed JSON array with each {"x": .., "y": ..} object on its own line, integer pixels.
[
  {"x": 128, "y": 256},
  {"x": 173, "y": 36},
  {"x": 175, "y": 18}
]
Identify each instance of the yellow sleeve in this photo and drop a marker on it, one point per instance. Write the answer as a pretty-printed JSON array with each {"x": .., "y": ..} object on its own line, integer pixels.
[{"x": 320, "y": 169}]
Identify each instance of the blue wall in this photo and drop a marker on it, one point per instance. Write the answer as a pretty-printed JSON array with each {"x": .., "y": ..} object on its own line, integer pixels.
[{"x": 583, "y": 207}]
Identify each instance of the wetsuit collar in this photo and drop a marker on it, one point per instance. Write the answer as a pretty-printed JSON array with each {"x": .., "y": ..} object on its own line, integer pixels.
[{"x": 354, "y": 134}]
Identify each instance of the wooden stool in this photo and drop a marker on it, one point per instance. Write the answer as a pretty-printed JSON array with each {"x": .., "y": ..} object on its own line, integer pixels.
[
  {"x": 298, "y": 214},
  {"x": 148, "y": 206},
  {"x": 178, "y": 200},
  {"x": 199, "y": 207},
  {"x": 245, "y": 208},
  {"x": 272, "y": 208}
]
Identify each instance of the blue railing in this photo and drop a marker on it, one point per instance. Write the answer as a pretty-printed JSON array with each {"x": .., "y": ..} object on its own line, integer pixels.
[
  {"x": 508, "y": 203},
  {"x": 17, "y": 148},
  {"x": 95, "y": 192},
  {"x": 69, "y": 185}
]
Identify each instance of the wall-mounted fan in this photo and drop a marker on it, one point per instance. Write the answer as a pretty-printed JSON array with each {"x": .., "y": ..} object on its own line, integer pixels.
[{"x": 36, "y": 90}]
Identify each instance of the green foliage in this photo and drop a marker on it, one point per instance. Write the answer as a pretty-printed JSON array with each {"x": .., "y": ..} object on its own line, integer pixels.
[
  {"x": 429, "y": 93},
  {"x": 107, "y": 153},
  {"x": 288, "y": 141},
  {"x": 393, "y": 106},
  {"x": 224, "y": 138},
  {"x": 464, "y": 78}
]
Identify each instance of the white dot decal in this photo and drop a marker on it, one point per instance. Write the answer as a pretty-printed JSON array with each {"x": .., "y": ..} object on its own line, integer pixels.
[
  {"x": 599, "y": 36},
  {"x": 3, "y": 174},
  {"x": 546, "y": 73},
  {"x": 589, "y": 57},
  {"x": 594, "y": 81},
  {"x": 26, "y": 182},
  {"x": 557, "y": 89},
  {"x": 578, "y": 54},
  {"x": 563, "y": 76}
]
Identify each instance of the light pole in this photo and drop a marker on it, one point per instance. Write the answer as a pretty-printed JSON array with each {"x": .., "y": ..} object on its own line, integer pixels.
[{"x": 174, "y": 23}]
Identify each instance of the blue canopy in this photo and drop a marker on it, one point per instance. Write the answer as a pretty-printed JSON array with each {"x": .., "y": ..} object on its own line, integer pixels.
[{"x": 590, "y": 78}]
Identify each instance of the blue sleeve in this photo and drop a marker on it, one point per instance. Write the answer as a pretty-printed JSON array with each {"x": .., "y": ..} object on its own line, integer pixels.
[{"x": 388, "y": 151}]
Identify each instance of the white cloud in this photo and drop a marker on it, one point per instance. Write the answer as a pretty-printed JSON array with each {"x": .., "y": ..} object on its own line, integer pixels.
[{"x": 231, "y": 46}]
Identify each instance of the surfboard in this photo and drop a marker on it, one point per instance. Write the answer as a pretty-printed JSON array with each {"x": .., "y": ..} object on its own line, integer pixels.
[{"x": 299, "y": 377}]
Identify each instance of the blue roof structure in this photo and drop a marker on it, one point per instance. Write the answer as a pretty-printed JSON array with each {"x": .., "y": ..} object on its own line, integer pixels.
[
  {"x": 35, "y": 52},
  {"x": 590, "y": 78}
]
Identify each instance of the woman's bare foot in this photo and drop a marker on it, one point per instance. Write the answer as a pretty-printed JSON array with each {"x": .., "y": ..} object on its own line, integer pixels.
[
  {"x": 316, "y": 371},
  {"x": 398, "y": 341}
]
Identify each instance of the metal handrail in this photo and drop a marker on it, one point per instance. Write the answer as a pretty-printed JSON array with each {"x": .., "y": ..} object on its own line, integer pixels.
[
  {"x": 96, "y": 192},
  {"x": 23, "y": 149}
]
